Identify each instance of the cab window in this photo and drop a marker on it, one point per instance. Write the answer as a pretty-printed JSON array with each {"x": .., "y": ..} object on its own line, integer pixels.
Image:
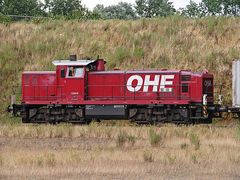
[{"x": 75, "y": 72}]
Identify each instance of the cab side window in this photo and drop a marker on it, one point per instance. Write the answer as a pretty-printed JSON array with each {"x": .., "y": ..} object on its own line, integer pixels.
[
  {"x": 70, "y": 72},
  {"x": 75, "y": 72}
]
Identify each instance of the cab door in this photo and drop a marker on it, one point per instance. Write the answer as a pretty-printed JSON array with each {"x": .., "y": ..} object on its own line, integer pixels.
[
  {"x": 71, "y": 84},
  {"x": 75, "y": 83}
]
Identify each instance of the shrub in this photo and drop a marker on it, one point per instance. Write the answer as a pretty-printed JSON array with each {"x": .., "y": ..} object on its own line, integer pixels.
[
  {"x": 121, "y": 139},
  {"x": 131, "y": 139},
  {"x": 138, "y": 53},
  {"x": 211, "y": 25},
  {"x": 194, "y": 139},
  {"x": 121, "y": 54},
  {"x": 171, "y": 159},
  {"x": 184, "y": 145},
  {"x": 194, "y": 158},
  {"x": 147, "y": 156},
  {"x": 4, "y": 19},
  {"x": 154, "y": 138}
]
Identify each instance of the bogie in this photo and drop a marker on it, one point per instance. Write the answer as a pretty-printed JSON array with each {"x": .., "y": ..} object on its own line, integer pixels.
[{"x": 138, "y": 114}]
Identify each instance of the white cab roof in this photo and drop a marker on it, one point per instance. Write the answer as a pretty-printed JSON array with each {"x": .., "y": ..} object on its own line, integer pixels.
[{"x": 72, "y": 63}]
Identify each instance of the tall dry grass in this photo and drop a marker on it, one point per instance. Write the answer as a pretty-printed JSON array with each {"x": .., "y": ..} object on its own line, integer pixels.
[{"x": 46, "y": 151}]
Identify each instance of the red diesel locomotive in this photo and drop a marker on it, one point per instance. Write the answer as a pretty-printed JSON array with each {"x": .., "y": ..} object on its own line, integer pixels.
[{"x": 82, "y": 90}]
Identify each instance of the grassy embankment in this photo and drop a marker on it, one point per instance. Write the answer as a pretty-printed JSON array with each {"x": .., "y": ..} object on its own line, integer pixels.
[{"x": 174, "y": 43}]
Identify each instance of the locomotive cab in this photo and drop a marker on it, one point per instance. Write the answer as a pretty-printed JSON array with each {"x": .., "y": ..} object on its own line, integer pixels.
[{"x": 72, "y": 77}]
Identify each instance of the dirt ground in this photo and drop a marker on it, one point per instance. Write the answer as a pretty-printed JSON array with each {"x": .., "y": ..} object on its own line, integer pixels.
[{"x": 103, "y": 153}]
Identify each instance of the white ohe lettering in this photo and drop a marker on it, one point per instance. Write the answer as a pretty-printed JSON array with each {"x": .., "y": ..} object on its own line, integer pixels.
[
  {"x": 139, "y": 83},
  {"x": 157, "y": 84}
]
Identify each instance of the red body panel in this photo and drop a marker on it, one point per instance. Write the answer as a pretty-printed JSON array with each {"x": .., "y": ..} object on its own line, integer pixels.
[
  {"x": 39, "y": 86},
  {"x": 116, "y": 87}
]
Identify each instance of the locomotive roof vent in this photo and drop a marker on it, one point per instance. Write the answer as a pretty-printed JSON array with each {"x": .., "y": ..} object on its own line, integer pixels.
[{"x": 73, "y": 57}]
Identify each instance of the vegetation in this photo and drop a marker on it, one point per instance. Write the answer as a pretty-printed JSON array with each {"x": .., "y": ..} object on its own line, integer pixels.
[
  {"x": 123, "y": 137},
  {"x": 153, "y": 8},
  {"x": 148, "y": 156},
  {"x": 38, "y": 151},
  {"x": 21, "y": 7},
  {"x": 194, "y": 139},
  {"x": 120, "y": 11},
  {"x": 212, "y": 8},
  {"x": 74, "y": 9},
  {"x": 154, "y": 138}
]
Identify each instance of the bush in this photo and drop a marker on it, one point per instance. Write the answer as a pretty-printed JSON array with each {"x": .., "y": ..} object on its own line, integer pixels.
[
  {"x": 131, "y": 139},
  {"x": 171, "y": 159},
  {"x": 4, "y": 19},
  {"x": 120, "y": 55},
  {"x": 138, "y": 53},
  {"x": 194, "y": 159},
  {"x": 147, "y": 156},
  {"x": 184, "y": 145},
  {"x": 154, "y": 138},
  {"x": 121, "y": 139}
]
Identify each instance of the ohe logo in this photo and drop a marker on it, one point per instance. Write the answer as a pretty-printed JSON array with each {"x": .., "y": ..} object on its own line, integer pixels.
[{"x": 158, "y": 83}]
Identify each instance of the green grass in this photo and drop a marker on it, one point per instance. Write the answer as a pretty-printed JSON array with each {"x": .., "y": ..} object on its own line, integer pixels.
[
  {"x": 154, "y": 138},
  {"x": 194, "y": 140}
]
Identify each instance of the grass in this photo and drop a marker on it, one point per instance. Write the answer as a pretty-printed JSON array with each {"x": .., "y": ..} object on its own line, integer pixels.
[
  {"x": 123, "y": 137},
  {"x": 148, "y": 156},
  {"x": 194, "y": 140},
  {"x": 238, "y": 132},
  {"x": 194, "y": 159},
  {"x": 154, "y": 138},
  {"x": 47, "y": 151}
]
